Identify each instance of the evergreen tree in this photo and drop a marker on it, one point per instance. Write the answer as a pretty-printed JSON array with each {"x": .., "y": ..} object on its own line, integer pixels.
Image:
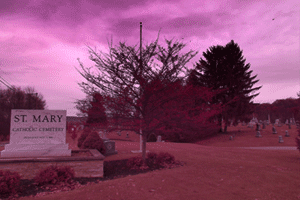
[
  {"x": 93, "y": 108},
  {"x": 223, "y": 68}
]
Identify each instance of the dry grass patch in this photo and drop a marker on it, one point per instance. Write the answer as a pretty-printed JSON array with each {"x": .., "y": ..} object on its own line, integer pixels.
[
  {"x": 246, "y": 137},
  {"x": 209, "y": 173},
  {"x": 216, "y": 169}
]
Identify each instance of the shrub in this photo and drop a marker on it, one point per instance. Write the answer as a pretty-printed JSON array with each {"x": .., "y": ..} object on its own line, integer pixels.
[
  {"x": 136, "y": 163},
  {"x": 160, "y": 160},
  {"x": 93, "y": 141},
  {"x": 9, "y": 182},
  {"x": 152, "y": 160},
  {"x": 54, "y": 175},
  {"x": 151, "y": 138},
  {"x": 166, "y": 158},
  {"x": 82, "y": 137}
]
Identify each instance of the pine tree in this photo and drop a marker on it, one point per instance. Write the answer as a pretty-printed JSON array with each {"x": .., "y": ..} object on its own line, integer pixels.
[{"x": 223, "y": 68}]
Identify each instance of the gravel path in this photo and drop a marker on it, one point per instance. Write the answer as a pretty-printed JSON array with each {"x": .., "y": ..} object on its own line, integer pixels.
[{"x": 271, "y": 148}]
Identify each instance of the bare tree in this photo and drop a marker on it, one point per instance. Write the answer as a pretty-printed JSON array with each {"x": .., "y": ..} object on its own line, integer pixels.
[{"x": 135, "y": 88}]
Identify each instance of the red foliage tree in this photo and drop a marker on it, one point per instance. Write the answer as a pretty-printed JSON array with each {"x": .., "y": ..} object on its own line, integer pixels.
[{"x": 146, "y": 93}]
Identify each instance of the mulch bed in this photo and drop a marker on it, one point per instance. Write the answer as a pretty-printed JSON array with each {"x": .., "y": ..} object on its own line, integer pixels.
[{"x": 112, "y": 170}]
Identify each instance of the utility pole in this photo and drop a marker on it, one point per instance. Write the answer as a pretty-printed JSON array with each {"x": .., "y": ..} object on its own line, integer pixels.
[{"x": 141, "y": 65}]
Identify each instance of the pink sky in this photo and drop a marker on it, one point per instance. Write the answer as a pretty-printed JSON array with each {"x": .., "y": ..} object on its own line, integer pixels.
[{"x": 40, "y": 40}]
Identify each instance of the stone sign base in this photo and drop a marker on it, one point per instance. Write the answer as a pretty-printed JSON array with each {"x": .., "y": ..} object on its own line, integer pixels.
[
  {"x": 84, "y": 166},
  {"x": 35, "y": 150}
]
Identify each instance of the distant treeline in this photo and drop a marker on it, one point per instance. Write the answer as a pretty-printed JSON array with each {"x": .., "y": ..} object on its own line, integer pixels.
[{"x": 282, "y": 109}]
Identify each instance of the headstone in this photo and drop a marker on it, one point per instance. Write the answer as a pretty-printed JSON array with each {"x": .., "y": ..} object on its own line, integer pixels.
[
  {"x": 257, "y": 127},
  {"x": 276, "y": 122},
  {"x": 287, "y": 133},
  {"x": 127, "y": 135},
  {"x": 280, "y": 139},
  {"x": 102, "y": 135},
  {"x": 119, "y": 133},
  {"x": 109, "y": 147},
  {"x": 243, "y": 124},
  {"x": 37, "y": 133},
  {"x": 290, "y": 126},
  {"x": 231, "y": 137},
  {"x": 264, "y": 125},
  {"x": 274, "y": 130},
  {"x": 258, "y": 135},
  {"x": 158, "y": 139},
  {"x": 286, "y": 122}
]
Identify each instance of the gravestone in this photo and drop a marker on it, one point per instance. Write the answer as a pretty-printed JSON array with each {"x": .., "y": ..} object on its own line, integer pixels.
[
  {"x": 286, "y": 122},
  {"x": 109, "y": 145},
  {"x": 102, "y": 135},
  {"x": 257, "y": 127},
  {"x": 158, "y": 138},
  {"x": 280, "y": 139},
  {"x": 264, "y": 125},
  {"x": 290, "y": 126},
  {"x": 127, "y": 135},
  {"x": 231, "y": 137},
  {"x": 258, "y": 135},
  {"x": 37, "y": 133},
  {"x": 119, "y": 133},
  {"x": 243, "y": 124},
  {"x": 276, "y": 122},
  {"x": 274, "y": 130},
  {"x": 287, "y": 133}
]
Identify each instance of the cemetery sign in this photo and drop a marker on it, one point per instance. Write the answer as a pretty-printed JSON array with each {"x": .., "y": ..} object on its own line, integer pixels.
[{"x": 37, "y": 132}]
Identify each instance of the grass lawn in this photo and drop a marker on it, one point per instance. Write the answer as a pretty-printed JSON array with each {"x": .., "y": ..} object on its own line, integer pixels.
[{"x": 215, "y": 169}]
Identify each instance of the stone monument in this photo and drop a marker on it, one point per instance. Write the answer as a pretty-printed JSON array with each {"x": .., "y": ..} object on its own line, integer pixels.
[
  {"x": 264, "y": 125},
  {"x": 258, "y": 135},
  {"x": 280, "y": 139},
  {"x": 109, "y": 145},
  {"x": 287, "y": 133},
  {"x": 274, "y": 130},
  {"x": 158, "y": 138},
  {"x": 37, "y": 133},
  {"x": 257, "y": 127}
]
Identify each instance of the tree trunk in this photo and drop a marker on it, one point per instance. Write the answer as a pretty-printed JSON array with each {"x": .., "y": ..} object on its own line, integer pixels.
[
  {"x": 144, "y": 136},
  {"x": 225, "y": 127},
  {"x": 225, "y": 120},
  {"x": 220, "y": 123}
]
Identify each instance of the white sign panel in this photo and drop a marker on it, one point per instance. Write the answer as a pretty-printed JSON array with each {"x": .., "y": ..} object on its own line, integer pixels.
[{"x": 38, "y": 127}]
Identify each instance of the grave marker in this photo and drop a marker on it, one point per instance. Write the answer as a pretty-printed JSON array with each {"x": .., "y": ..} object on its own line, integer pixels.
[
  {"x": 109, "y": 145},
  {"x": 158, "y": 138},
  {"x": 274, "y": 130},
  {"x": 258, "y": 135},
  {"x": 280, "y": 139},
  {"x": 264, "y": 125},
  {"x": 287, "y": 133},
  {"x": 257, "y": 127}
]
